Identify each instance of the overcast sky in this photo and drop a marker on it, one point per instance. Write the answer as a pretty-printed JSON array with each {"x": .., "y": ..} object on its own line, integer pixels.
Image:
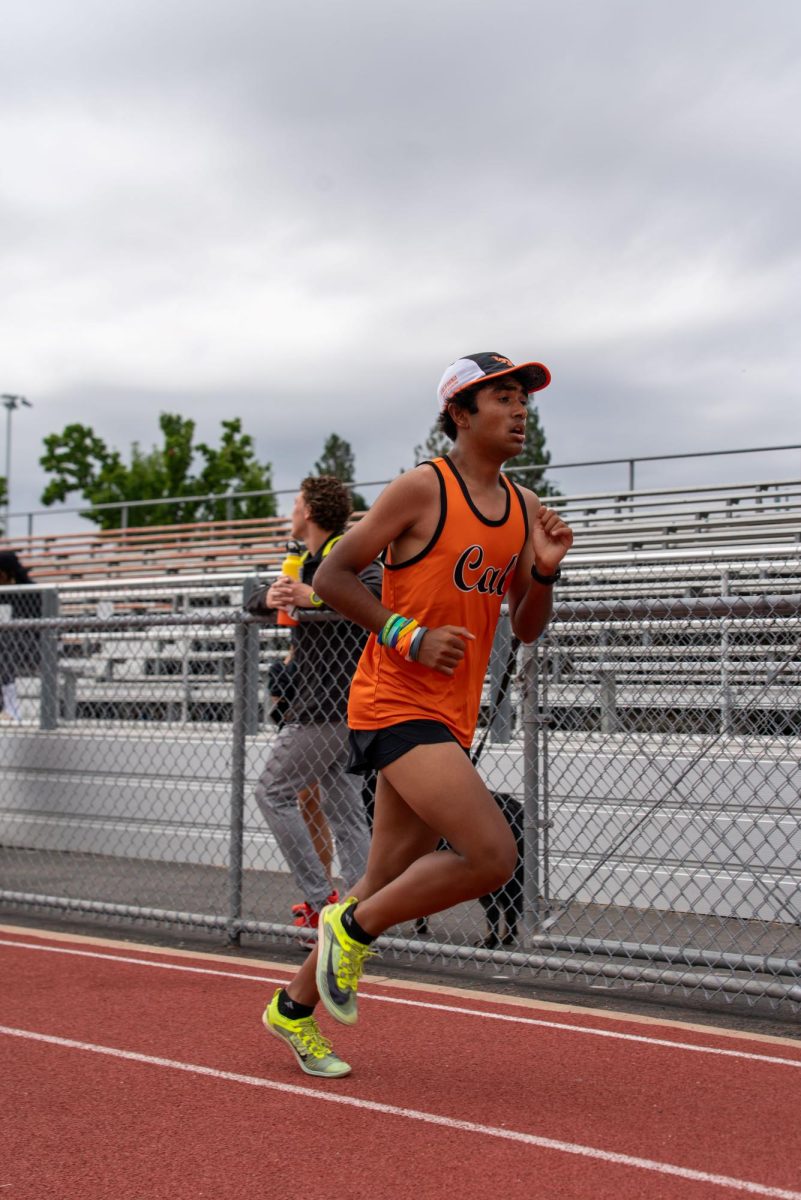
[{"x": 301, "y": 213}]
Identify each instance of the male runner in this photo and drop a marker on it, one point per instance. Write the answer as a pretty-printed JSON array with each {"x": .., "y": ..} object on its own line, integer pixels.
[{"x": 460, "y": 537}]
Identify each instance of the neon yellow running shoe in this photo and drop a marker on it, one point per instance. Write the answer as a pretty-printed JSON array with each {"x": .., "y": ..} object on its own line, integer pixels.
[
  {"x": 340, "y": 962},
  {"x": 312, "y": 1051}
]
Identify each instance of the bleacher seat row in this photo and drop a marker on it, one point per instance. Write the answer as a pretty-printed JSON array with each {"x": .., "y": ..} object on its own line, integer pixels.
[{"x": 752, "y": 514}]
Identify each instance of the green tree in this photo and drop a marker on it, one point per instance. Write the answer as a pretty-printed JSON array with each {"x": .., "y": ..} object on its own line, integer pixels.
[
  {"x": 80, "y": 461},
  {"x": 436, "y": 444},
  {"x": 234, "y": 468},
  {"x": 339, "y": 460},
  {"x": 528, "y": 463}
]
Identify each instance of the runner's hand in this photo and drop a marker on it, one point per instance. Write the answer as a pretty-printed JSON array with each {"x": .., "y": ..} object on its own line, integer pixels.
[
  {"x": 443, "y": 649},
  {"x": 551, "y": 538}
]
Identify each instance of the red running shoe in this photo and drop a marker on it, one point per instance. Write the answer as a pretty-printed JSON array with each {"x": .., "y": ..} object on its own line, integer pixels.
[{"x": 307, "y": 917}]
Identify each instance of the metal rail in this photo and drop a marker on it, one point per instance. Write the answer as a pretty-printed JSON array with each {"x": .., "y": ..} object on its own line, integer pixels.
[{"x": 230, "y": 498}]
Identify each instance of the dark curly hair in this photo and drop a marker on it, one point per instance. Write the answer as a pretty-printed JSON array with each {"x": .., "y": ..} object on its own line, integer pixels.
[
  {"x": 328, "y": 499},
  {"x": 466, "y": 400},
  {"x": 13, "y": 568}
]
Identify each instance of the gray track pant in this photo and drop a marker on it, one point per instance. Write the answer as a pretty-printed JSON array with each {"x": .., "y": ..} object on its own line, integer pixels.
[{"x": 302, "y": 755}]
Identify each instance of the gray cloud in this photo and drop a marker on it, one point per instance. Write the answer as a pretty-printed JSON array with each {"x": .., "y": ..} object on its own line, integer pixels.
[{"x": 303, "y": 213}]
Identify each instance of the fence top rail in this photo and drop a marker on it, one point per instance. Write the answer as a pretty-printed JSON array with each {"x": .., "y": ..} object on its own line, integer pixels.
[
  {"x": 698, "y": 606},
  {"x": 174, "y": 584},
  {"x": 231, "y": 615},
  {"x": 722, "y": 554},
  {"x": 216, "y": 618},
  {"x": 564, "y": 610}
]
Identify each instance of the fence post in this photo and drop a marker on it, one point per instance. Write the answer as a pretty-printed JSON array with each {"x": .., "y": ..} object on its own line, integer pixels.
[
  {"x": 48, "y": 663},
  {"x": 185, "y": 641},
  {"x": 608, "y": 699},
  {"x": 237, "y": 821},
  {"x": 545, "y": 649},
  {"x": 531, "y": 790},
  {"x": 501, "y": 714},
  {"x": 251, "y": 679},
  {"x": 726, "y": 714},
  {"x": 70, "y": 698}
]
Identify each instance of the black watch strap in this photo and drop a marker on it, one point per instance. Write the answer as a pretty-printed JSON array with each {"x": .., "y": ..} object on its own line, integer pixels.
[{"x": 547, "y": 580}]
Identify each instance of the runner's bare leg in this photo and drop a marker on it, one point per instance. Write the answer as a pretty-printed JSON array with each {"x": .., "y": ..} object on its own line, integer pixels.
[
  {"x": 430, "y": 792},
  {"x": 399, "y": 839}
]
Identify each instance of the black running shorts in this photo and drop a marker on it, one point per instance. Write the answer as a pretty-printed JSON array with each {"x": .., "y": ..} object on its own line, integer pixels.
[{"x": 373, "y": 749}]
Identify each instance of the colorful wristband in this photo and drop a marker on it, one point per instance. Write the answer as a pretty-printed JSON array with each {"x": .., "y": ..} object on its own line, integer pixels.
[
  {"x": 404, "y": 638},
  {"x": 414, "y": 645},
  {"x": 389, "y": 634},
  {"x": 402, "y": 634}
]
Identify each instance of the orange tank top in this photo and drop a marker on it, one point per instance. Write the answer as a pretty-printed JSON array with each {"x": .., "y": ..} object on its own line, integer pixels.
[{"x": 459, "y": 578}]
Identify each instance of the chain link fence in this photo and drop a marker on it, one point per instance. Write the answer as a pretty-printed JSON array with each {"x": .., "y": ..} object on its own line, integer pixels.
[{"x": 161, "y": 762}]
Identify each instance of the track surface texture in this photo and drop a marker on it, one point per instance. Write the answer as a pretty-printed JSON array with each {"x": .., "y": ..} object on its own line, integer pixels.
[{"x": 136, "y": 1072}]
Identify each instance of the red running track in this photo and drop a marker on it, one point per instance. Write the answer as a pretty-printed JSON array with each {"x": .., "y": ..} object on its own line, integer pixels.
[{"x": 136, "y": 1073}]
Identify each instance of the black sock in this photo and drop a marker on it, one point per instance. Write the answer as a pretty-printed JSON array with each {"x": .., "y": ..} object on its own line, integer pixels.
[
  {"x": 354, "y": 928},
  {"x": 290, "y": 1008}
]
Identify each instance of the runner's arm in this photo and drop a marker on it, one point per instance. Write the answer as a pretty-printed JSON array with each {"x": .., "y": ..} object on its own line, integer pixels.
[
  {"x": 397, "y": 511},
  {"x": 531, "y": 603}
]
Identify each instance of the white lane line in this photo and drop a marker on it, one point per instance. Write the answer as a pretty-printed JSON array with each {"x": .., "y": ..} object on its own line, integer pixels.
[
  {"x": 564, "y": 1026},
  {"x": 144, "y": 962},
  {"x": 413, "y": 1114}
]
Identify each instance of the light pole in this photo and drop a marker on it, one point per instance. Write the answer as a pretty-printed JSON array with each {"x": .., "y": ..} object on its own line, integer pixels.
[{"x": 10, "y": 402}]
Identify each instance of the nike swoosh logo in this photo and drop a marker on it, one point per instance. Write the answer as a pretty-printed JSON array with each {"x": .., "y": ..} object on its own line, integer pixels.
[{"x": 334, "y": 990}]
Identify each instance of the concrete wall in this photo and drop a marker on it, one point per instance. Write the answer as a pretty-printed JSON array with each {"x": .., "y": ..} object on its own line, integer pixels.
[{"x": 727, "y": 841}]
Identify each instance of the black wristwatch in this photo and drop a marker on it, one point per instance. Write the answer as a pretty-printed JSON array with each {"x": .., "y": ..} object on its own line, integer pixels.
[{"x": 547, "y": 580}]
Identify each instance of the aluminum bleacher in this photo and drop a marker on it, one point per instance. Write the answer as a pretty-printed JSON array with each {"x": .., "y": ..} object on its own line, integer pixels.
[
  {"x": 726, "y": 540},
  {"x": 758, "y": 513},
  {"x": 755, "y": 514},
  {"x": 163, "y": 550}
]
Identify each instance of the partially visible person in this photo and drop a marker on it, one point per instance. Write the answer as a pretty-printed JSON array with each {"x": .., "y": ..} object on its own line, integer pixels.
[
  {"x": 320, "y": 833},
  {"x": 281, "y": 690},
  {"x": 312, "y": 746},
  {"x": 19, "y": 648}
]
